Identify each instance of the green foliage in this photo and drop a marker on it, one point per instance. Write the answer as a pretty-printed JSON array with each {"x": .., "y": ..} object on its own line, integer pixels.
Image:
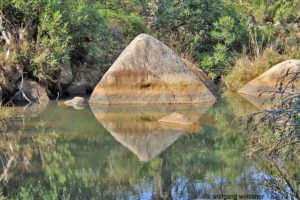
[
  {"x": 54, "y": 44},
  {"x": 216, "y": 33},
  {"x": 225, "y": 35},
  {"x": 88, "y": 29},
  {"x": 224, "y": 30},
  {"x": 286, "y": 11},
  {"x": 53, "y": 32},
  {"x": 186, "y": 23},
  {"x": 40, "y": 20},
  {"x": 124, "y": 21},
  {"x": 211, "y": 32},
  {"x": 124, "y": 17}
]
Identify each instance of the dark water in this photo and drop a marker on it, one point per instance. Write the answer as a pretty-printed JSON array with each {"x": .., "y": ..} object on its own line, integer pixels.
[{"x": 125, "y": 153}]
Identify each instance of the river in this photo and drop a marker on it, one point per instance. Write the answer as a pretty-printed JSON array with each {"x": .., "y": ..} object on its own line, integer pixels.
[{"x": 123, "y": 152}]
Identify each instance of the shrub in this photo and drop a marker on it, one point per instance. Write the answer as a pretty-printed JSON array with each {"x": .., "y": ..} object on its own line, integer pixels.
[{"x": 41, "y": 35}]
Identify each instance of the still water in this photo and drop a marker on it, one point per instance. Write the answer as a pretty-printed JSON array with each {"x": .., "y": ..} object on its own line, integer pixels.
[{"x": 123, "y": 152}]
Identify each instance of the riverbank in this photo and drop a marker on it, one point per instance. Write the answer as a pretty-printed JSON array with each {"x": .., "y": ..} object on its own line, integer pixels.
[{"x": 51, "y": 47}]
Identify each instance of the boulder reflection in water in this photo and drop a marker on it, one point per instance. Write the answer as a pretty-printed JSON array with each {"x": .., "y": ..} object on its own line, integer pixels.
[{"x": 137, "y": 127}]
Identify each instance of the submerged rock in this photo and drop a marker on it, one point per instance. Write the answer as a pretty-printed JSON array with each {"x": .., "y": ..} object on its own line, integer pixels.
[
  {"x": 280, "y": 79},
  {"x": 176, "y": 118},
  {"x": 147, "y": 72},
  {"x": 76, "y": 101}
]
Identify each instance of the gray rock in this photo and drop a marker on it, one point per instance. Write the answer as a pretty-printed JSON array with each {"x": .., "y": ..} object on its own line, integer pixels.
[
  {"x": 88, "y": 75},
  {"x": 77, "y": 88},
  {"x": 66, "y": 75},
  {"x": 92, "y": 78},
  {"x": 33, "y": 91}
]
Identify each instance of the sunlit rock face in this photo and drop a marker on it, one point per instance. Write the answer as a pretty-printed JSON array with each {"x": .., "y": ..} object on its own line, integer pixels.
[
  {"x": 138, "y": 127},
  {"x": 268, "y": 89},
  {"x": 149, "y": 72},
  {"x": 283, "y": 77}
]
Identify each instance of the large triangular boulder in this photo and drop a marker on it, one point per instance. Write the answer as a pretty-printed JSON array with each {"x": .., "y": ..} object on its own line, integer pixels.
[
  {"x": 146, "y": 72},
  {"x": 283, "y": 78}
]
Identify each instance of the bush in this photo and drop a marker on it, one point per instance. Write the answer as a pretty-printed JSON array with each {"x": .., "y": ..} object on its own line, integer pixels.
[
  {"x": 41, "y": 35},
  {"x": 213, "y": 32}
]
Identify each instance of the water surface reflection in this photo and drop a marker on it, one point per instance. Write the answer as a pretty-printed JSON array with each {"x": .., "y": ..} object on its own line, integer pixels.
[
  {"x": 138, "y": 128},
  {"x": 63, "y": 153}
]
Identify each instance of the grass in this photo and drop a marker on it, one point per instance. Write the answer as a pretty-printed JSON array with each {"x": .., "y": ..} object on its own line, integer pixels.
[
  {"x": 5, "y": 113},
  {"x": 246, "y": 69}
]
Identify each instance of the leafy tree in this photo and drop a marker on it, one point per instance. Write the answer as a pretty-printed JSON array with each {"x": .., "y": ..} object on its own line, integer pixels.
[{"x": 211, "y": 32}]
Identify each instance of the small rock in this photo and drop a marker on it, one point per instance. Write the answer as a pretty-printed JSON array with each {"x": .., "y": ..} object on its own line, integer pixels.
[
  {"x": 176, "y": 118},
  {"x": 75, "y": 101}
]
